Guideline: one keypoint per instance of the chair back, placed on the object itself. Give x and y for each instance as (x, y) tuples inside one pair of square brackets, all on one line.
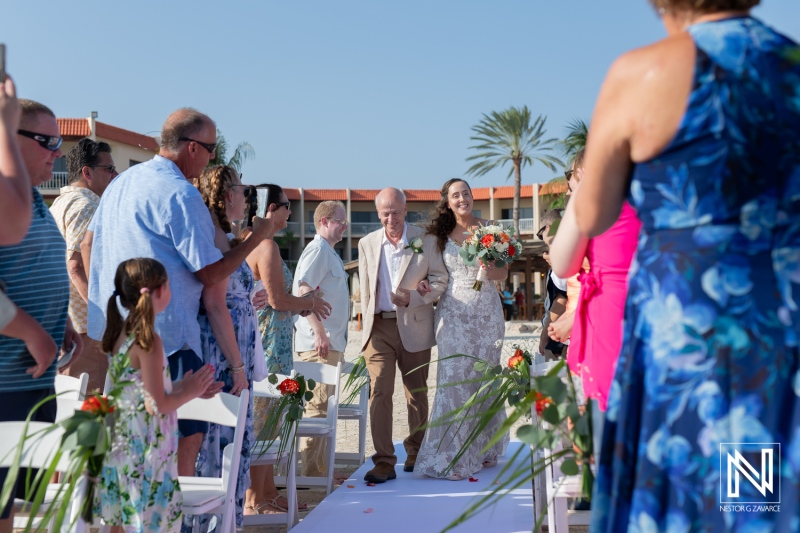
[(265, 389), (326, 375), (226, 410), (72, 388), (42, 441)]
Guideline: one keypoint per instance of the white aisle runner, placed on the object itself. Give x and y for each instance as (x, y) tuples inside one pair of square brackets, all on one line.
[(410, 505)]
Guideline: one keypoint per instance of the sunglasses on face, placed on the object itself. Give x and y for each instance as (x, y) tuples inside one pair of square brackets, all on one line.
[(111, 168), (48, 142), (540, 233), (210, 147), (287, 205)]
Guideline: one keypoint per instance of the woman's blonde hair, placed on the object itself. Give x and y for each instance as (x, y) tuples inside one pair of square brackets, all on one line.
[(134, 283), (214, 184)]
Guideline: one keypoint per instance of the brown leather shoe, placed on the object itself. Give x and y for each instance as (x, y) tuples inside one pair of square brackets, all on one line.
[(381, 473), (411, 460)]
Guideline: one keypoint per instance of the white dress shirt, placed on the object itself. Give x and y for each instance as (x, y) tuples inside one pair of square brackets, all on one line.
[(389, 271)]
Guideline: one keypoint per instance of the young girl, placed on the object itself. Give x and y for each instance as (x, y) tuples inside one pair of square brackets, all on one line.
[(139, 483)]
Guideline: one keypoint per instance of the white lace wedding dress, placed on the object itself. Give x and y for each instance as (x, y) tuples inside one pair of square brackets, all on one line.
[(467, 322)]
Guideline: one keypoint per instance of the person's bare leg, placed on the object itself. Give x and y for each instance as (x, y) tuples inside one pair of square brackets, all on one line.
[(188, 449), (254, 496)]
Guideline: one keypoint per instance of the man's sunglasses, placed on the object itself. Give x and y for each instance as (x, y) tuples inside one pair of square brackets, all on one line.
[(210, 147), (48, 142), (110, 168)]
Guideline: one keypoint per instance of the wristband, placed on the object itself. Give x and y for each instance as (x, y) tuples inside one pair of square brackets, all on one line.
[(237, 369)]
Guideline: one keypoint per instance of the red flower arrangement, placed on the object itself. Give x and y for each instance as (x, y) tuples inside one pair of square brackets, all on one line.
[(97, 405), (517, 359), (289, 386)]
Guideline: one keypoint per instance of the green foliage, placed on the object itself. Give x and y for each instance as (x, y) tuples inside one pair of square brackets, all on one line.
[(241, 154), (577, 133), (284, 416)]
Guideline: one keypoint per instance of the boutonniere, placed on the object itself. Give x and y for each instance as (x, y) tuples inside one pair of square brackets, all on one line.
[(415, 245)]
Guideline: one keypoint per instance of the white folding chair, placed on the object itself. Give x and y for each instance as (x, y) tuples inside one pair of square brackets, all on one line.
[(266, 453), (72, 388), (355, 411), (321, 428), (557, 487), (203, 495), (70, 393), (38, 451)]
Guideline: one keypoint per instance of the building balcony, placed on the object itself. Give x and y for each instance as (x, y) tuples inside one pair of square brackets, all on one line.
[(525, 224), (53, 186)]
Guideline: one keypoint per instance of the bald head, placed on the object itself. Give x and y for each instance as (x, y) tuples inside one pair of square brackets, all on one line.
[(390, 195), (391, 205), (184, 123)]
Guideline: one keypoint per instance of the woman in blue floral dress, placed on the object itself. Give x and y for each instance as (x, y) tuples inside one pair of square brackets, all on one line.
[(703, 132), (275, 324), (221, 186)]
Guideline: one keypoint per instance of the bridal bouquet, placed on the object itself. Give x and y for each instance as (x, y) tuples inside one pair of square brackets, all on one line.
[(490, 244)]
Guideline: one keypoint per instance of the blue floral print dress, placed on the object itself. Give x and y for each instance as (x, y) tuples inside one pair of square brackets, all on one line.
[(276, 338), (139, 482), (710, 350), (209, 461)]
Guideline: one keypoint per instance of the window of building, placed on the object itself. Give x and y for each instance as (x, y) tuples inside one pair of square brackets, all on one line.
[(364, 216), (132, 162), (416, 216), (60, 164), (524, 212)]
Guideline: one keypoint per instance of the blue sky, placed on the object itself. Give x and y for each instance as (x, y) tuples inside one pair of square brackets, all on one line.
[(333, 94)]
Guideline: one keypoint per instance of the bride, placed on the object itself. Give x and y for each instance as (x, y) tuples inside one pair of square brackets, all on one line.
[(467, 322)]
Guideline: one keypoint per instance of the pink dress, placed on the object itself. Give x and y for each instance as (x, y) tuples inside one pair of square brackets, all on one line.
[(597, 332)]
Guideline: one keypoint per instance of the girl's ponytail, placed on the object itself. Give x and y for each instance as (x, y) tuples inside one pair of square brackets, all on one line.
[(114, 324), (141, 322)]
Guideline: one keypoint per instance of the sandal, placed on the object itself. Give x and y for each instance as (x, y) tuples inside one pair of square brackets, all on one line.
[(301, 506), (490, 463), (455, 477), (257, 509)]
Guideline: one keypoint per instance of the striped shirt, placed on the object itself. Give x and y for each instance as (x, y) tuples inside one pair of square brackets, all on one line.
[(73, 211), (35, 274)]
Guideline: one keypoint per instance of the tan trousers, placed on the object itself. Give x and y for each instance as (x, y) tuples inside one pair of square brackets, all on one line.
[(314, 451), (383, 355), (93, 360)]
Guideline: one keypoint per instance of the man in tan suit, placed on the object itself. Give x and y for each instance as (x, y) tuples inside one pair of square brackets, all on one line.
[(398, 325)]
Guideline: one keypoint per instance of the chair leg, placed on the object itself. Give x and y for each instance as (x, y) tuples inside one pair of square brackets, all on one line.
[(331, 463), (561, 516), (362, 440), (291, 495)]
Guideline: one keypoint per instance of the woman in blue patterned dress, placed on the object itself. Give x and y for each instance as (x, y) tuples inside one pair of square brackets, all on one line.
[(702, 132), (275, 324), (223, 193)]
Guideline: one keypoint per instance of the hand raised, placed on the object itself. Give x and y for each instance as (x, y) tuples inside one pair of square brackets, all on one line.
[(423, 287)]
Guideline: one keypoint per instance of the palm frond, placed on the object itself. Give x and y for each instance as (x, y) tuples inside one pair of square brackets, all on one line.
[(575, 140)]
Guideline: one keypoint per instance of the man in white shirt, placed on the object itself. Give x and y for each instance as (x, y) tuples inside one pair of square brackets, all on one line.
[(398, 325), (322, 341)]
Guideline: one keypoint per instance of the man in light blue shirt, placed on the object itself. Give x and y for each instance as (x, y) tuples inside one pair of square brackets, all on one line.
[(322, 341), (153, 210)]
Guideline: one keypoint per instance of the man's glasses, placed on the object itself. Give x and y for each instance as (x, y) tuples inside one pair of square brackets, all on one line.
[(210, 147), (111, 168), (341, 221), (48, 142)]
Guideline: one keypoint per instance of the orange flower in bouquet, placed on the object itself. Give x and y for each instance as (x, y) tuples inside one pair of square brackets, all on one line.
[(490, 245)]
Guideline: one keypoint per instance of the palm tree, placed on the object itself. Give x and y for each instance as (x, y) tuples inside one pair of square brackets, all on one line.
[(241, 153), (577, 131), (508, 136)]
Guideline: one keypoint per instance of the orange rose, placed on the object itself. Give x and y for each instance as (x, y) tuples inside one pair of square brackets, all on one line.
[(541, 403), (516, 360), (97, 405), (487, 240), (504, 237)]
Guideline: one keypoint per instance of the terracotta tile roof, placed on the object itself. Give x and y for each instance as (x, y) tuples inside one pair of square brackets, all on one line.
[(319, 195), (73, 127), (507, 192), (292, 194), (556, 186), (78, 128), (421, 195), (128, 137), (363, 195), (480, 193)]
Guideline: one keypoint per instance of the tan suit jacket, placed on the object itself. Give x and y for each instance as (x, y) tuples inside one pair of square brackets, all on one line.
[(415, 322)]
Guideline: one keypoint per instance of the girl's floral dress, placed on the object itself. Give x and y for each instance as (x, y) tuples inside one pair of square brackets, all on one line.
[(139, 483)]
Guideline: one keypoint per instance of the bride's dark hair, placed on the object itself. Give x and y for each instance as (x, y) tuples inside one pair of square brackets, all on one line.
[(442, 220)]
